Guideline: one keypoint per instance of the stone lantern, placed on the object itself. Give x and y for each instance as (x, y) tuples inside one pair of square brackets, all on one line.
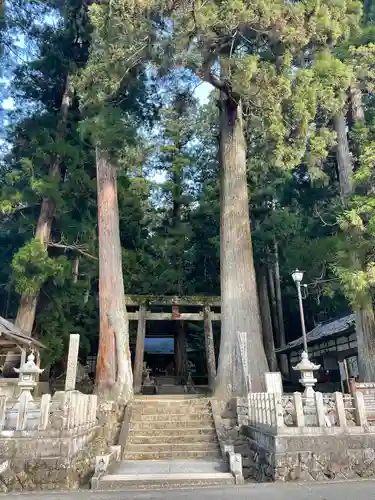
[(307, 368), (28, 373), (25, 413)]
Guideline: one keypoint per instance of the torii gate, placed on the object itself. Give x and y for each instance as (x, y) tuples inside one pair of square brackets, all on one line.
[(142, 303)]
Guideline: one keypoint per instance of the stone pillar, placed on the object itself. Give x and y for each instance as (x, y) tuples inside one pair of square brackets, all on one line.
[(360, 410), (210, 348), (71, 366), (180, 354), (139, 349)]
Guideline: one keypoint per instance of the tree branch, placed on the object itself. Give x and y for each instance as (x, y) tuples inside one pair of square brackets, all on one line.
[(317, 214), (74, 248)]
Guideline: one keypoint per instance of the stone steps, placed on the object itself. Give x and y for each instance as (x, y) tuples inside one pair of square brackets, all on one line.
[(173, 417), (164, 481), (163, 429), (171, 447), (171, 389), (162, 398), (190, 454), (170, 443), (141, 410), (163, 425), (158, 474), (193, 437)]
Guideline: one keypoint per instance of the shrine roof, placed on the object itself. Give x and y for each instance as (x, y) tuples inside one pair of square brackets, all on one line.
[(10, 331), (320, 332)]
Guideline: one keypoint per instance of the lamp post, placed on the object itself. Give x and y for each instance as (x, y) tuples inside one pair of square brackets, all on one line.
[(305, 366), (297, 276)]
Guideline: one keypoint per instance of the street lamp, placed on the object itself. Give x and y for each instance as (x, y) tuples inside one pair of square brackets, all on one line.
[(305, 366), (297, 276)]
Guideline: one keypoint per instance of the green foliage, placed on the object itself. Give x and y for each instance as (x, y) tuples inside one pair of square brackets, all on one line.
[(291, 63), (32, 266)]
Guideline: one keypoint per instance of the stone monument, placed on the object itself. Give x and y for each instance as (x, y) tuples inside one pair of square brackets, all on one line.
[(71, 367), (274, 383)]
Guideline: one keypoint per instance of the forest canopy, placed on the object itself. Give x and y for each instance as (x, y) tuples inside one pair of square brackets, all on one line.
[(205, 118)]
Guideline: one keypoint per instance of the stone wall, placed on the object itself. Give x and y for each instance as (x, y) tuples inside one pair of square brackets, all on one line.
[(36, 473), (335, 454)]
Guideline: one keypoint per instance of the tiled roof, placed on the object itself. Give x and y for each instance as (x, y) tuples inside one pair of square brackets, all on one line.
[(9, 330), (321, 331)]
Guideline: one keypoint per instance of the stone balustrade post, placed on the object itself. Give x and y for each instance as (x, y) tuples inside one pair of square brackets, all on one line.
[(62, 409), (259, 399), (94, 406), (86, 411), (265, 398), (44, 412), (340, 409), (23, 400), (3, 409), (73, 410), (80, 410), (360, 410), (320, 411), (298, 408), (278, 409), (268, 409), (264, 404)]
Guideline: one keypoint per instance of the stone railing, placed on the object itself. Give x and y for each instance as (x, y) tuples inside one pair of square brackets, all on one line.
[(282, 412), (64, 411)]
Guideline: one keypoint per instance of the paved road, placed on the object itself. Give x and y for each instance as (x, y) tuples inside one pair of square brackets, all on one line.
[(364, 490)]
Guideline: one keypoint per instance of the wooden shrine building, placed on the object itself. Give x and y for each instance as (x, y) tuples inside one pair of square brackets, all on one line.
[(143, 308)]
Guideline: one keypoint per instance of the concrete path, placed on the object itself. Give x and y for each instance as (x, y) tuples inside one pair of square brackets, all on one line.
[(358, 490)]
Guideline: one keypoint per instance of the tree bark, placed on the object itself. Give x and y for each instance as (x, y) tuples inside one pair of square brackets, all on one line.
[(272, 297), (365, 319), (239, 300), (75, 269), (356, 108), (28, 303), (114, 377), (344, 162), (265, 312)]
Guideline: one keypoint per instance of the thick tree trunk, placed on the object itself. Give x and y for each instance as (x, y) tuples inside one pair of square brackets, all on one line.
[(239, 300), (28, 303), (356, 108), (265, 312), (365, 320), (272, 297), (344, 162), (114, 377)]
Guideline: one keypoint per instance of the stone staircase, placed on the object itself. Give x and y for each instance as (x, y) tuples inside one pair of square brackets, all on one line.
[(168, 442), (167, 429)]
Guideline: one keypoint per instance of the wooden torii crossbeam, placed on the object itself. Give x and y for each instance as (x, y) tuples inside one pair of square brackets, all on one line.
[(144, 302)]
